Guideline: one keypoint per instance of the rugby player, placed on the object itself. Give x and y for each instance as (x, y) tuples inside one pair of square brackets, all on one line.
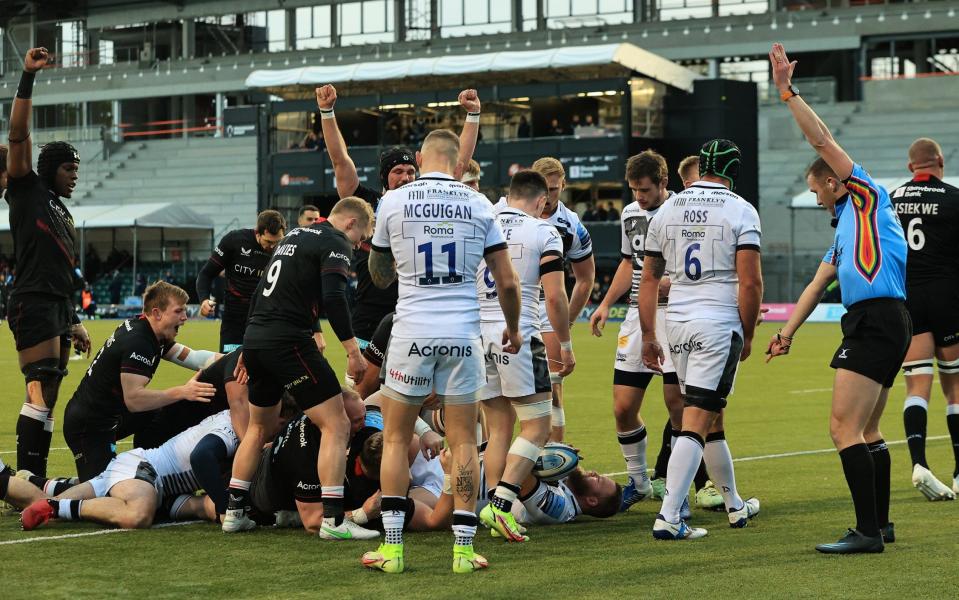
[(3, 168), (133, 486), (647, 177), (578, 248), (868, 256), (15, 490), (308, 215), (241, 255), (108, 404), (307, 273), (518, 384), (471, 176), (437, 230), (40, 307), (688, 170), (397, 167), (708, 238), (929, 209)]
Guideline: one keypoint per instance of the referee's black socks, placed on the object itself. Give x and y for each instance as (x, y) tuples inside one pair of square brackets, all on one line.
[(914, 416), (860, 474), (883, 466)]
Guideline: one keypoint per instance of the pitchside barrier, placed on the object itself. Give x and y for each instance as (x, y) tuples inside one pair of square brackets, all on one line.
[(824, 313)]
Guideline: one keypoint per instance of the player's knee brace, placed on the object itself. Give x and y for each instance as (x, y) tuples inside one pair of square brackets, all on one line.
[(524, 448), (48, 372), (917, 367), (948, 366), (704, 399), (533, 410), (559, 416)]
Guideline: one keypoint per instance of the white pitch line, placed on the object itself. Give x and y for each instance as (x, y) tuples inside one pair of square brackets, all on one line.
[(829, 389), (800, 453), (120, 443), (68, 536)]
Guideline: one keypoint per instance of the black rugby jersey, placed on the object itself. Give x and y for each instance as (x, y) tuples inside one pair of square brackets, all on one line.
[(44, 239), (928, 209), (307, 273), (132, 348), (242, 260), (372, 303)]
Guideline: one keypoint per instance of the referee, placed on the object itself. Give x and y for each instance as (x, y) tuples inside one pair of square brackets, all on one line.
[(40, 309), (868, 256)]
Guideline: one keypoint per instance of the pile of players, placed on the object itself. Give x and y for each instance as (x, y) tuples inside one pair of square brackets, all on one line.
[(460, 303)]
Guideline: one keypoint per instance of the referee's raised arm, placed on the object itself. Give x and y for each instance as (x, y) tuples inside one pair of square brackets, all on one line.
[(816, 132)]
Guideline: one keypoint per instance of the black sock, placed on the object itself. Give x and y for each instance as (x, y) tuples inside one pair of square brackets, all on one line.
[(662, 461), (953, 422), (701, 477), (883, 466), (33, 445), (861, 478), (502, 503), (333, 508), (914, 418), (239, 498)]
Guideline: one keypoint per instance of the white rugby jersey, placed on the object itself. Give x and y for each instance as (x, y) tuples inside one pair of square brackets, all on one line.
[(635, 223), (438, 231), (698, 232), (577, 245), (529, 240), (172, 459), (550, 504)]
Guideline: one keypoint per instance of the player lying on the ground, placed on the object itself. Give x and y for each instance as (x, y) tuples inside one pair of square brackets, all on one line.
[(16, 491), (129, 491)]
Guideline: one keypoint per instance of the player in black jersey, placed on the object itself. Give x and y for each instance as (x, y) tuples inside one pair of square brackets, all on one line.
[(308, 273), (113, 392), (241, 255), (40, 307), (929, 211), (308, 215), (397, 167)]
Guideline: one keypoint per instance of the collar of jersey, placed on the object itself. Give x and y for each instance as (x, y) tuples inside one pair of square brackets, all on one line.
[(435, 175), (514, 211), (707, 184)]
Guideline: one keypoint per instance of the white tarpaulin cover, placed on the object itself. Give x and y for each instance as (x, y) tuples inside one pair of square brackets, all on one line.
[(807, 199), (108, 216), (630, 56)]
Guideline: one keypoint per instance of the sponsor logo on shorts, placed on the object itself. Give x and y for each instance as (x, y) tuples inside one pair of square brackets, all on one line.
[(621, 357), (401, 377), (302, 429), (296, 382), (685, 347), (500, 359), (450, 351), (307, 487), (143, 359), (843, 353), (623, 341)]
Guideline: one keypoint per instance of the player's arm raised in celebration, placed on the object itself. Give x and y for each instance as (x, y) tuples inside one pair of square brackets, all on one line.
[(20, 154), (139, 398), (654, 266), (507, 287), (469, 100), (808, 300), (816, 132), (620, 284), (557, 307), (749, 272), (343, 168), (382, 267)]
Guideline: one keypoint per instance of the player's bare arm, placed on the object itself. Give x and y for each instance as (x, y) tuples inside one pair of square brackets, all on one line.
[(749, 272), (81, 339), (20, 154), (343, 168), (654, 267), (620, 284), (139, 398), (816, 132), (469, 100), (808, 300), (557, 309), (584, 271), (507, 286), (189, 358), (382, 268)]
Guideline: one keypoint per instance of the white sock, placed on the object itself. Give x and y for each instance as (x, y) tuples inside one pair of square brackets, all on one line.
[(464, 527), (239, 484), (683, 463), (393, 515), (719, 465), (633, 445)]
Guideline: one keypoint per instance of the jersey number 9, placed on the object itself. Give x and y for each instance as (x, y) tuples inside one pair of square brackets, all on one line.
[(272, 276)]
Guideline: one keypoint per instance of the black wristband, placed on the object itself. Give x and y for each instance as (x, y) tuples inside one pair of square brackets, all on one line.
[(25, 89)]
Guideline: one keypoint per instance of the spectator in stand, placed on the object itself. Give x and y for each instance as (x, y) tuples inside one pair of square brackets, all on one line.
[(91, 264), (141, 286), (574, 124), (555, 128), (87, 302), (523, 130), (589, 121), (168, 277), (590, 213), (611, 213), (600, 213), (116, 287)]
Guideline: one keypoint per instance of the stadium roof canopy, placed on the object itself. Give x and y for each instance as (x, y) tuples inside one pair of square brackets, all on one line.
[(807, 199), (156, 215), (522, 66)]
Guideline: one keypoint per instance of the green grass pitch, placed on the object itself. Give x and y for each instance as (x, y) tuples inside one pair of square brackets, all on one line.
[(778, 408)]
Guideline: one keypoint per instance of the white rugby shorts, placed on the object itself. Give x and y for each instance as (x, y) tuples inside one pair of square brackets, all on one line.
[(123, 468), (629, 343), (704, 353), (514, 375), (451, 367)]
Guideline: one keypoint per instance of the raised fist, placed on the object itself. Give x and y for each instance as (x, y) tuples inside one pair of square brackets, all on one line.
[(36, 59), (326, 97)]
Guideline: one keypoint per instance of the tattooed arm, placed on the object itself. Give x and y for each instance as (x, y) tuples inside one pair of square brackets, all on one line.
[(382, 268)]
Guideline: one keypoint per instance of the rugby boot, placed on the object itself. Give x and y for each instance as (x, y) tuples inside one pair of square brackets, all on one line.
[(853, 543), (740, 518), (929, 485), (465, 560), (387, 558), (709, 498), (36, 515), (347, 530), (633, 493), (664, 530), (503, 523)]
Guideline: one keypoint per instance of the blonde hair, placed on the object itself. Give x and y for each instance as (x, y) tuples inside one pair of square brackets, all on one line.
[(686, 165), (548, 166), (925, 152), (356, 207), (444, 142), (160, 294)]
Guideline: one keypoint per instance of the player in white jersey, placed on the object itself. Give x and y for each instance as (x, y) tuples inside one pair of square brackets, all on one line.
[(578, 248), (437, 230), (127, 493), (708, 238), (647, 176), (518, 385)]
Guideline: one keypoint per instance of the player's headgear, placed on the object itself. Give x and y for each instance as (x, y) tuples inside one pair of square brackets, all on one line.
[(720, 158), (397, 155), (53, 155)]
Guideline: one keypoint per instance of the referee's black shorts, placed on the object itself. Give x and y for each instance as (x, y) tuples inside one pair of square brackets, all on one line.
[(875, 337), (35, 318), (299, 369), (934, 308)]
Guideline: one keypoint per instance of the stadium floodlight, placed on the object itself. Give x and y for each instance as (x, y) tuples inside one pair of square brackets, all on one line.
[(858, 19)]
